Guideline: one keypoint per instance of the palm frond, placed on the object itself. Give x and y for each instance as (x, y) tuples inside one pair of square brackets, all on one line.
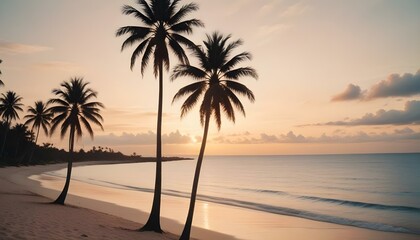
[(138, 51), (191, 101), (137, 36), (241, 72), (193, 87), (146, 55), (129, 10), (87, 126), (183, 70), (182, 12), (235, 60), (236, 102), (224, 101), (240, 89), (183, 40), (187, 26), (178, 51)]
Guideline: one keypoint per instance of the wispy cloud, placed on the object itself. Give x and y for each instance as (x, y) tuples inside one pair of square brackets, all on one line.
[(410, 115), (132, 113), (19, 48), (395, 85), (294, 10), (147, 138), (338, 137), (269, 30)]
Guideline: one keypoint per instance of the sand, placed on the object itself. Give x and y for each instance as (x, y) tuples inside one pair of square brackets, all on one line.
[(96, 212)]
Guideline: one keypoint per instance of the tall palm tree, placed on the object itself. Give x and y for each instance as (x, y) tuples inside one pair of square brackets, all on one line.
[(73, 108), (39, 116), (9, 107), (162, 27), (1, 82), (217, 81)]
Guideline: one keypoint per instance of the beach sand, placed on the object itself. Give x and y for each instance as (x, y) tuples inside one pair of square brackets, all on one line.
[(96, 212)]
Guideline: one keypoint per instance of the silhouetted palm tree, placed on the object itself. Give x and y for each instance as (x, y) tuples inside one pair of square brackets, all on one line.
[(163, 26), (216, 80), (9, 107), (22, 136), (73, 109), (39, 116)]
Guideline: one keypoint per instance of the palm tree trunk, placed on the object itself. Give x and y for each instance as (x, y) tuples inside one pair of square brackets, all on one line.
[(4, 140), (153, 223), (187, 228), (61, 199), (33, 148)]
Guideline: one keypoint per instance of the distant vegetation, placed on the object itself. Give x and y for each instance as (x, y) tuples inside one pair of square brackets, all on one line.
[(20, 143)]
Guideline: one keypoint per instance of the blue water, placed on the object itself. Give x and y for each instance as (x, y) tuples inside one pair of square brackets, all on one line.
[(374, 191)]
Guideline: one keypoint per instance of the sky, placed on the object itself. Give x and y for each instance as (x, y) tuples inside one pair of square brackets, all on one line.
[(334, 76)]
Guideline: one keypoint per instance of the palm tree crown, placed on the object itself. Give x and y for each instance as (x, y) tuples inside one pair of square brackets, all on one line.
[(73, 109), (163, 26), (39, 116), (216, 79), (9, 105)]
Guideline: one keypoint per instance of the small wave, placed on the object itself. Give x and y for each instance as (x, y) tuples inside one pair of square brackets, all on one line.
[(361, 204), (308, 215), (337, 201), (281, 210)]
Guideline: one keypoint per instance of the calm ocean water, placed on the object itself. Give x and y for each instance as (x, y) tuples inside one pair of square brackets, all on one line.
[(374, 191)]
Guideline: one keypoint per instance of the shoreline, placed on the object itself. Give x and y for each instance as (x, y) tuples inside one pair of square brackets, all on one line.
[(20, 178), (224, 222)]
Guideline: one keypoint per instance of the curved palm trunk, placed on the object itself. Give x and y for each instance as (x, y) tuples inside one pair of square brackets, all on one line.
[(153, 223), (187, 228), (63, 195)]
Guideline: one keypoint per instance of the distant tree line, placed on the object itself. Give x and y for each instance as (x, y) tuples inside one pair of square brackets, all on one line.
[(20, 144)]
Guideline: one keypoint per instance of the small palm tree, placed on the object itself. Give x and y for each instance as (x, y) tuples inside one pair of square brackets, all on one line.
[(39, 116), (73, 109), (9, 107), (163, 26), (216, 80)]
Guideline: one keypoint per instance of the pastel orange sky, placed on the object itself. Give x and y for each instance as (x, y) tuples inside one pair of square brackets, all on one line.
[(334, 76)]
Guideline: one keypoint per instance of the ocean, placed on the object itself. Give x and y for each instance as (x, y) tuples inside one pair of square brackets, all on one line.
[(374, 191)]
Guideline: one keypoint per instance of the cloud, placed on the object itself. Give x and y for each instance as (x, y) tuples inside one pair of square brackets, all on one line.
[(395, 85), (410, 115), (18, 48), (268, 30), (291, 137), (148, 138), (352, 92), (294, 10)]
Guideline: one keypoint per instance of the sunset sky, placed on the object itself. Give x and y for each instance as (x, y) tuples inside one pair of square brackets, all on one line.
[(334, 76)]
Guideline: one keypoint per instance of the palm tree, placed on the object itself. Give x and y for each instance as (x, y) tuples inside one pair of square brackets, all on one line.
[(39, 116), (162, 27), (9, 107), (22, 137), (72, 109), (217, 81), (1, 82)]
